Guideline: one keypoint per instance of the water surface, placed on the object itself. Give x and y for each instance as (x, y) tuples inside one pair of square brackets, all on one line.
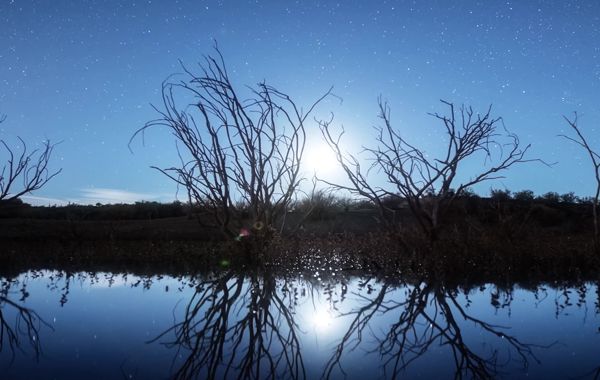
[(227, 324)]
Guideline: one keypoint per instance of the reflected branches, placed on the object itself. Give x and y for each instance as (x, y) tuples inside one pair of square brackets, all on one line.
[(427, 315), (251, 324), (244, 327), (353, 336), (19, 325), (238, 327)]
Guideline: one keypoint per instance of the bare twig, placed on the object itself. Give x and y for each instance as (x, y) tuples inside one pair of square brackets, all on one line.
[(580, 140), (24, 171)]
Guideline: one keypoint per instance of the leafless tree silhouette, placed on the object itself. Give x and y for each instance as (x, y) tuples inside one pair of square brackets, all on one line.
[(426, 315), (580, 140), (238, 155), (429, 184), (24, 171), (238, 327)]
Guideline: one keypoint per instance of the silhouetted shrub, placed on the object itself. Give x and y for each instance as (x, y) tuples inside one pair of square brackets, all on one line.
[(585, 200), (393, 202), (551, 197), (364, 204), (524, 195), (12, 208), (500, 195), (569, 197), (320, 206), (467, 192)]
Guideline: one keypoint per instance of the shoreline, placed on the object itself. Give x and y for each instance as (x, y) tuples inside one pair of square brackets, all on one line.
[(374, 255)]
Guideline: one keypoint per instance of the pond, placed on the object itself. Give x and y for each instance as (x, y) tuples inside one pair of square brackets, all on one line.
[(252, 324)]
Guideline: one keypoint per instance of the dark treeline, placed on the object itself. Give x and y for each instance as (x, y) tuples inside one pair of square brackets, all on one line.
[(521, 219), (321, 205), (138, 210)]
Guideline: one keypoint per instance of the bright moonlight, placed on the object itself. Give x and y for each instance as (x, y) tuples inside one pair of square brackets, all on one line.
[(320, 159)]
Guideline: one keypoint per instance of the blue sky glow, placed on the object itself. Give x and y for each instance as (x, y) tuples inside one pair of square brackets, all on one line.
[(85, 73)]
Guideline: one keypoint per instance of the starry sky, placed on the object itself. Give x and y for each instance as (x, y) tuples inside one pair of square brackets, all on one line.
[(86, 73)]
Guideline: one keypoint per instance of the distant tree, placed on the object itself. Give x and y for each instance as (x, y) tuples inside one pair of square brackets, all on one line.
[(580, 140), (551, 196), (24, 171), (524, 195), (319, 205), (569, 197), (467, 192), (392, 202), (233, 151), (585, 200), (425, 181), (500, 195)]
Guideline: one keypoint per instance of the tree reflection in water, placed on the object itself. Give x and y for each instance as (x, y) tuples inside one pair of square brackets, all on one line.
[(19, 325), (238, 326), (251, 324), (427, 315), (244, 327)]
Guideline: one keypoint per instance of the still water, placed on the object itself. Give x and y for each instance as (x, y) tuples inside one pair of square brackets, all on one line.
[(59, 325)]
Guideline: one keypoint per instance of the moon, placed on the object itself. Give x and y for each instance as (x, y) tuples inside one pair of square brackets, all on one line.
[(322, 320), (320, 159)]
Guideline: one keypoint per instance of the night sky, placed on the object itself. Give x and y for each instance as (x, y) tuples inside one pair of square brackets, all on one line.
[(86, 72)]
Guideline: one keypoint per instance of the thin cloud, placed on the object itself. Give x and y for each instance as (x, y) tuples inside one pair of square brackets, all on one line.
[(106, 196), (44, 201)]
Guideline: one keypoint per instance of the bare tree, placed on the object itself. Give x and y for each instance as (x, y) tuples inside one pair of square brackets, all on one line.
[(238, 155), (580, 140), (24, 171), (428, 184)]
